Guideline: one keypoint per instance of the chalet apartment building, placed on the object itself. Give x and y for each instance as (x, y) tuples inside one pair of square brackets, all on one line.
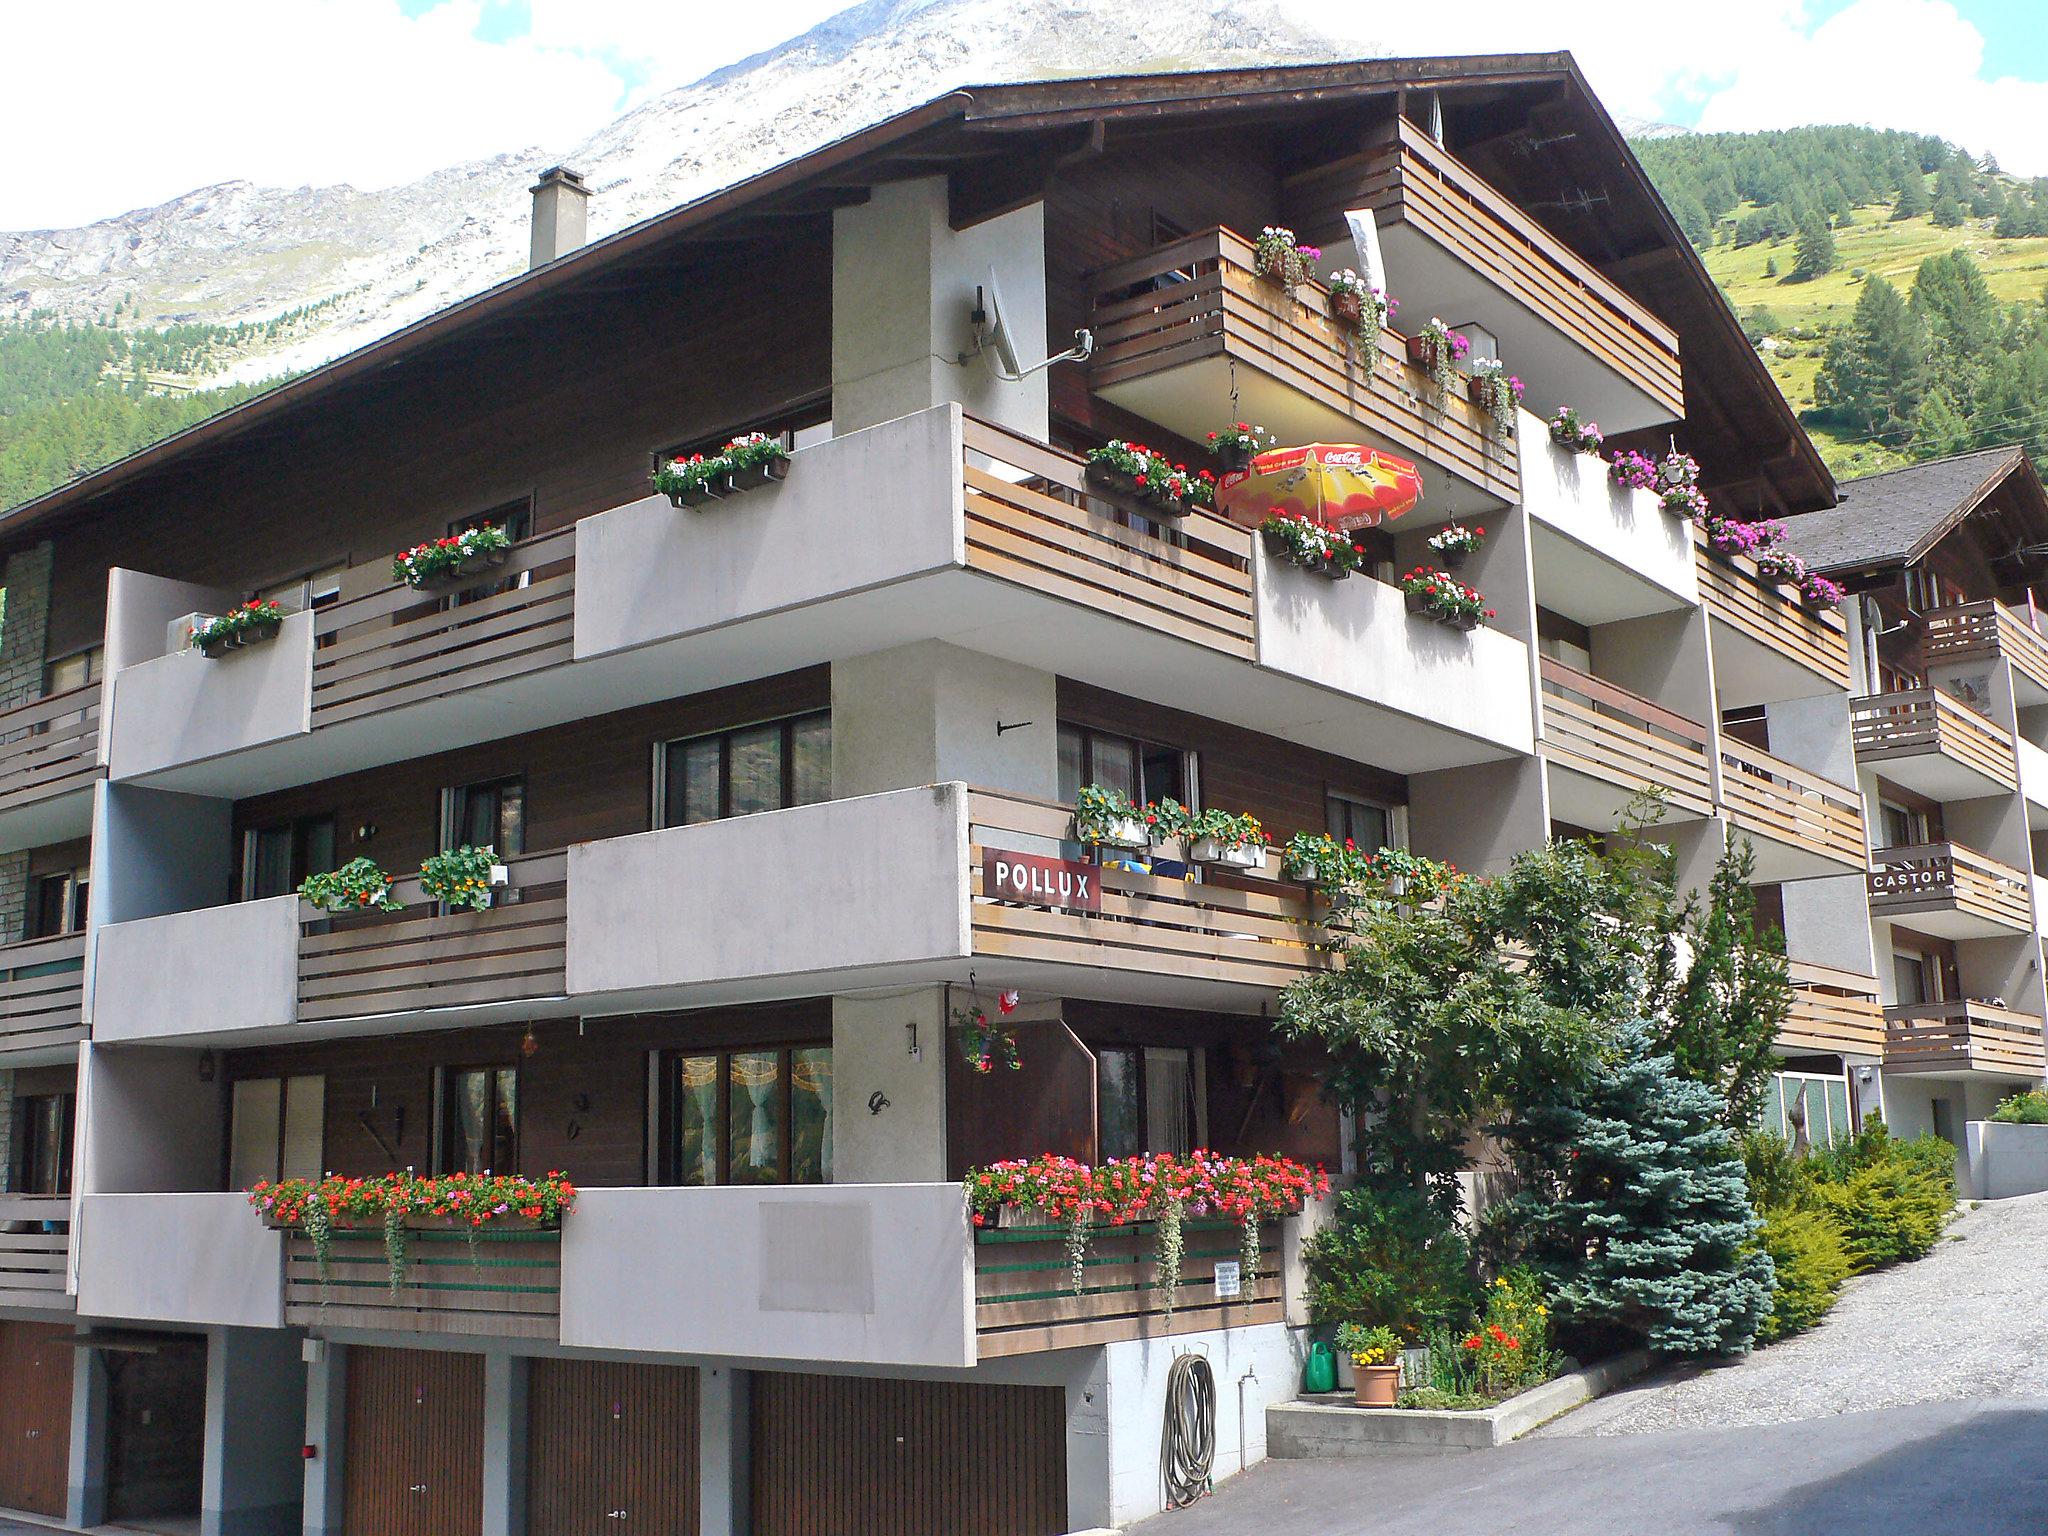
[(744, 762)]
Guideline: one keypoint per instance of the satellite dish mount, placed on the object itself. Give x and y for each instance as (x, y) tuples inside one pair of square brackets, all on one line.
[(994, 344)]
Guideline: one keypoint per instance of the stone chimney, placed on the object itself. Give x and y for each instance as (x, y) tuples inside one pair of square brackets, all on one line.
[(561, 215)]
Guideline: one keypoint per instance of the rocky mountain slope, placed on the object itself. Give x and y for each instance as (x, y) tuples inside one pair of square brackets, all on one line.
[(369, 262)]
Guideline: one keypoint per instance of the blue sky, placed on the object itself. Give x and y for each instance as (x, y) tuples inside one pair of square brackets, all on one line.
[(376, 92)]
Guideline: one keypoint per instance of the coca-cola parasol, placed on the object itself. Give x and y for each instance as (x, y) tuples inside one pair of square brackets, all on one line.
[(1340, 485)]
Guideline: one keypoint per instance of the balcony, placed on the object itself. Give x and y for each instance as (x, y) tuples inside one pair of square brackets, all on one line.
[(33, 1257), (1177, 328), (1950, 891), (201, 1259), (1931, 744), (1456, 247), (42, 987), (1800, 824), (1984, 631), (1833, 1012), (507, 1287), (1605, 746), (1955, 1037), (1768, 645), (49, 762), (1602, 552)]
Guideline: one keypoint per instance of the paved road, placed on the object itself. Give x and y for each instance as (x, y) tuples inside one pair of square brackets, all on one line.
[(1920, 1408)]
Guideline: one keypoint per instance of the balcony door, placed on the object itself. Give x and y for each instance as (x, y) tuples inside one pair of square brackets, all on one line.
[(491, 813), (278, 859), (758, 1116), (478, 1122), (1149, 1099)]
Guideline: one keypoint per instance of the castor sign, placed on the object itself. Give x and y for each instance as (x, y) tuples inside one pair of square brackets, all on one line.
[(1043, 882), (1938, 873)]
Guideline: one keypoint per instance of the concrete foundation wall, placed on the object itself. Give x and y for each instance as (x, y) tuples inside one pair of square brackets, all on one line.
[(2005, 1160)]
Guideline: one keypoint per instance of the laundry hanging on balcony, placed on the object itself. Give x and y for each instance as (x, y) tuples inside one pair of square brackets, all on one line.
[(1340, 485)]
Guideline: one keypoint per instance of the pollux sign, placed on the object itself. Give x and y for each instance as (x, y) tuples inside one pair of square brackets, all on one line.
[(1043, 882)]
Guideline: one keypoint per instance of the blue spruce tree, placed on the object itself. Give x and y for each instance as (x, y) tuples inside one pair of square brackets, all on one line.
[(1644, 1233)]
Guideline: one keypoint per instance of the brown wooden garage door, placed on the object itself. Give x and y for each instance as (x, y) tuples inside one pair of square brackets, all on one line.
[(907, 1458), (35, 1416), (611, 1446), (415, 1443)]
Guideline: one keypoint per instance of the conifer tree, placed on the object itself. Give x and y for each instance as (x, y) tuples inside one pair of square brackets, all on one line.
[(1912, 203), (1948, 213), (1816, 248)]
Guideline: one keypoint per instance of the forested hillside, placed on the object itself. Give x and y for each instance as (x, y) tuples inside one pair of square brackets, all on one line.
[(1894, 283)]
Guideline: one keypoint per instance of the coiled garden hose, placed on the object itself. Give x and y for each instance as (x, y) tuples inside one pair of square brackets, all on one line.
[(1188, 1448)]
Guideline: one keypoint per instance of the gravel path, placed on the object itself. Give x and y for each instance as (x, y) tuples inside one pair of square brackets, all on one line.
[(1968, 1322)]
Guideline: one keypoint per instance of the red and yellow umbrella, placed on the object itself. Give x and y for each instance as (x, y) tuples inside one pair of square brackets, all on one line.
[(1340, 485)]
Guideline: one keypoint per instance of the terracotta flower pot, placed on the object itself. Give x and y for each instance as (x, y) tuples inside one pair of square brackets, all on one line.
[(1376, 1385), (1418, 351)]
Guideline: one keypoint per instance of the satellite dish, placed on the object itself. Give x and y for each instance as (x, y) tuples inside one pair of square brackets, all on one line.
[(990, 326)]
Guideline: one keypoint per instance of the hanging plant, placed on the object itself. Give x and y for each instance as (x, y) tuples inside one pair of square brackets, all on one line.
[(320, 1230), (1172, 1242), (1438, 351), (394, 1246), (1248, 1255), (1080, 1229), (1355, 304), (1237, 445), (1457, 543), (982, 1043), (1495, 391), (1278, 257)]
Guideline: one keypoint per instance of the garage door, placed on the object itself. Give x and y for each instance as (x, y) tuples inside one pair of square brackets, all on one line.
[(907, 1458), (611, 1447), (415, 1443), (35, 1416)]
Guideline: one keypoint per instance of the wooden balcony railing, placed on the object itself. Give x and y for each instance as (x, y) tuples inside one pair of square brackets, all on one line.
[(1030, 519), (507, 1286), (1412, 179), (1768, 797), (1917, 722), (397, 646), (1024, 1298), (1947, 877), (1608, 733), (1943, 1037), (1981, 630), (1770, 613), (49, 746), (1201, 298), (1255, 931), (1833, 1011), (42, 988), (397, 962), (33, 1260)]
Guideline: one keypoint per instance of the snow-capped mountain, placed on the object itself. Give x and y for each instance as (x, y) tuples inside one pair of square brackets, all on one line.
[(374, 261)]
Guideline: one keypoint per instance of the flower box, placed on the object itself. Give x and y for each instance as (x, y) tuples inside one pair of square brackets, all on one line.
[(254, 634), (1418, 350), (469, 566), (701, 494), (1121, 486), (1209, 850), (1417, 603), (1125, 832), (748, 476)]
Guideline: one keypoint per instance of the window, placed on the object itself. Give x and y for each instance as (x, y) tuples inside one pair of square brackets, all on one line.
[(1148, 1099), (277, 859), (1806, 1102), (488, 814), (761, 1116), (276, 1129), (40, 1159), (73, 671), (479, 1121), (765, 767), (1564, 641), (305, 594), (57, 903), (1365, 824), (1903, 826), (1915, 977), (1143, 770)]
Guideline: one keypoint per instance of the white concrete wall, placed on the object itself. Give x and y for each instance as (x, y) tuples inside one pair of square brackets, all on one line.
[(140, 609), (149, 1120), (1480, 817), (184, 707), (927, 714), (2005, 1160), (1571, 493), (871, 1273), (903, 288), (179, 1258), (904, 1140), (252, 1479), (873, 881), (1358, 637), (1827, 922), (856, 512), (212, 971)]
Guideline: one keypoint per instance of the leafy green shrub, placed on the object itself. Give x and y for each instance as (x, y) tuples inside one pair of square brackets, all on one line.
[(1811, 1261), (1388, 1260), (1777, 1178), (1437, 1398), (2029, 1108), (1893, 1208)]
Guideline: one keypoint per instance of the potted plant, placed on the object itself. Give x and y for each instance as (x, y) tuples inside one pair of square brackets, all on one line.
[(250, 623), (1632, 470), (1220, 838), (1495, 391), (1104, 817), (443, 562), (1355, 304), (1455, 543), (358, 886), (692, 481), (755, 459), (1279, 258), (463, 877), (1316, 858), (983, 1043), (1573, 433), (1236, 446), (1300, 540), (1438, 351), (1440, 596), (1149, 483), (1375, 1355)]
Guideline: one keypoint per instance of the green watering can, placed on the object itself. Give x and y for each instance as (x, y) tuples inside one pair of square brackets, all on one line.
[(1319, 1371)]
